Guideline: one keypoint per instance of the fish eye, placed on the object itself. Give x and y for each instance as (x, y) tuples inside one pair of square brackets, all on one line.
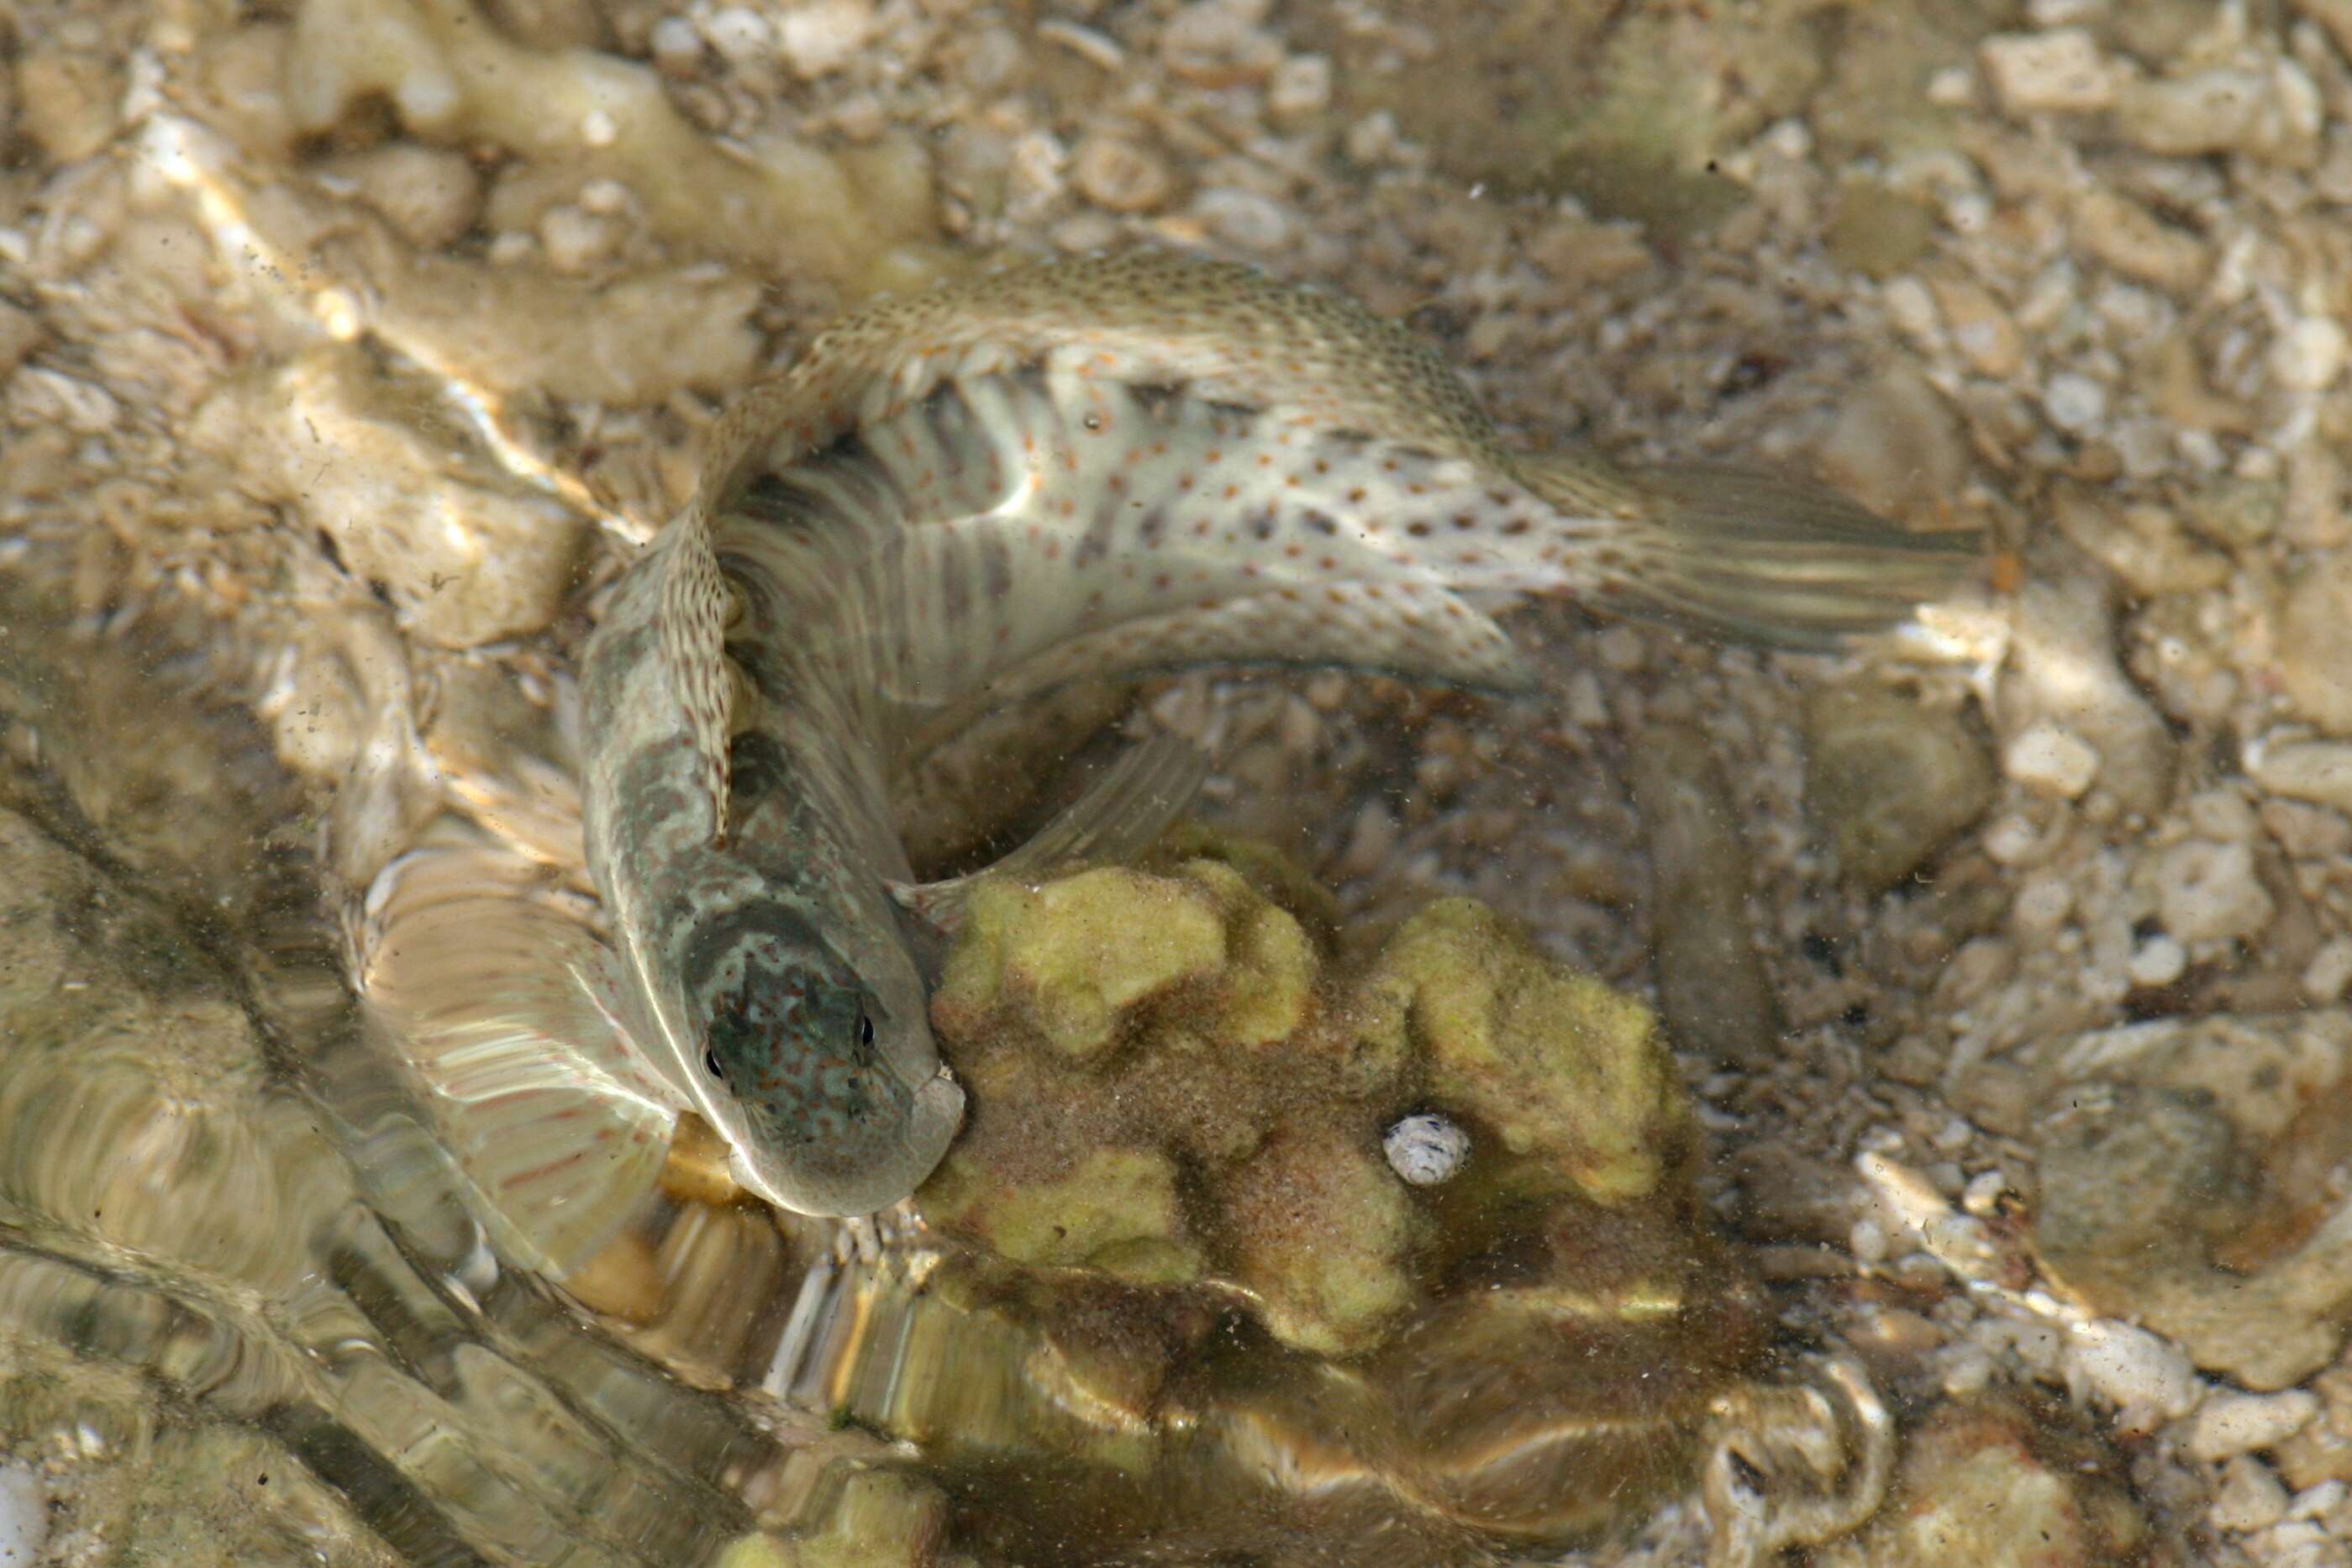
[(865, 1030), (711, 1064)]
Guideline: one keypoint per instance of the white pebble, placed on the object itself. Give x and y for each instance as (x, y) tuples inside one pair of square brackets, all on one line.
[(2075, 402), (1301, 87), (2308, 355), (2329, 972), (739, 33), (2293, 1544), (2221, 816), (1245, 218), (677, 45), (605, 198), (2250, 1497), (2242, 1423), (1621, 649), (2043, 901), (24, 1515), (2316, 771), (1867, 1241), (2060, 69), (1982, 1195), (1910, 307), (39, 396), (825, 36), (1791, 139), (2051, 758), (1374, 139), (2014, 841), (1951, 86), (597, 129), (2158, 960), (1965, 1369), (1425, 1149), (2147, 1380), (575, 240), (2318, 1500), (2209, 892)]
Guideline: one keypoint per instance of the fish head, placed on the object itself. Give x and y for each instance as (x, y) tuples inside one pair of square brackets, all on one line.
[(821, 1074)]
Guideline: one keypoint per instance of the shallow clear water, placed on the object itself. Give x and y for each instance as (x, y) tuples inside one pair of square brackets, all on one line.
[(347, 346)]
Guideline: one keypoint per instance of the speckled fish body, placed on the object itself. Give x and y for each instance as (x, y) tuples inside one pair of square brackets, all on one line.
[(1096, 467)]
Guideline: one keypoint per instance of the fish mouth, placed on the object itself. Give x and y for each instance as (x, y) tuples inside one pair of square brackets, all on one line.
[(886, 1166)]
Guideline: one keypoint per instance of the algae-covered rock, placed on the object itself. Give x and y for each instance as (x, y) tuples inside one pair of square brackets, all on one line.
[(1113, 1209), (1318, 1226), (1172, 1085), (877, 1517), (1554, 1062), (1074, 954)]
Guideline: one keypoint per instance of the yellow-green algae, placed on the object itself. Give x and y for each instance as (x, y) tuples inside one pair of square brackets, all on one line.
[(1554, 1062), (1173, 1084), (875, 1517)]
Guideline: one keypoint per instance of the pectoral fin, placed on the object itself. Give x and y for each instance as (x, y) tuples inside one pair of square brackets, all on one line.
[(1122, 812), (514, 1020)]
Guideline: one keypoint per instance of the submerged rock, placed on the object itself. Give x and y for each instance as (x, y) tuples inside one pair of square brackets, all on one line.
[(1712, 986), (2184, 1176), (1168, 1087), (1889, 780), (1995, 1487), (1169, 1282)]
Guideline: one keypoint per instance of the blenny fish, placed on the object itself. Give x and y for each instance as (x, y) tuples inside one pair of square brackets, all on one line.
[(1098, 467)]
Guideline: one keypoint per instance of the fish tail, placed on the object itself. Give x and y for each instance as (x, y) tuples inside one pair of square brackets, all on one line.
[(1761, 558)]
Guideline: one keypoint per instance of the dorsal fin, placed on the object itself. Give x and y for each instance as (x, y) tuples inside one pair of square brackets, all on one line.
[(696, 606)]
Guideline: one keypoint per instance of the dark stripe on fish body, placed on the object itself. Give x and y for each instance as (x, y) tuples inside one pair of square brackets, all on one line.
[(955, 587), (767, 931), (1153, 399), (604, 681), (1095, 543), (756, 766), (996, 567)]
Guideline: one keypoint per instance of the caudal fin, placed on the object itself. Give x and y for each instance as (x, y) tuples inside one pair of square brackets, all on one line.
[(1761, 558)]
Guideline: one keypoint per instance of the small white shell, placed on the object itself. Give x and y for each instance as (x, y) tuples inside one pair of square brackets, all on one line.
[(1425, 1149)]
